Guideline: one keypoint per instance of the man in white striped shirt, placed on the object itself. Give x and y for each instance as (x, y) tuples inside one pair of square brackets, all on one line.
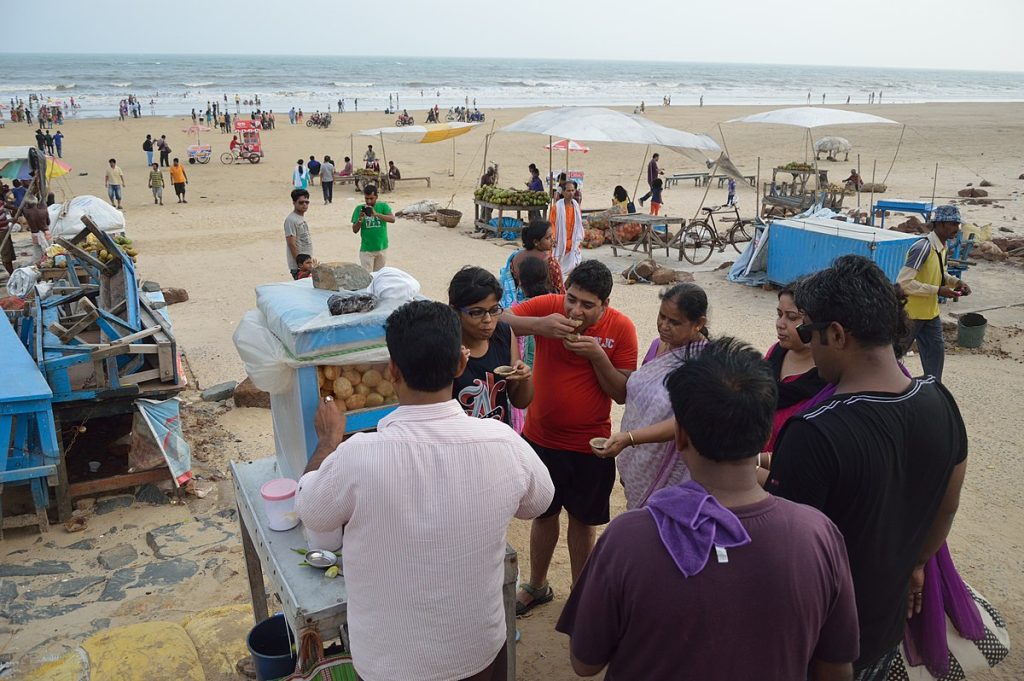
[(425, 502)]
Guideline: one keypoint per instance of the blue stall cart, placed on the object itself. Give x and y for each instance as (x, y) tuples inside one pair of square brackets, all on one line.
[(798, 247)]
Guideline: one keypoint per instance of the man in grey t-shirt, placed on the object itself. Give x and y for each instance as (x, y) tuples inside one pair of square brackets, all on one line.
[(296, 231), (327, 179)]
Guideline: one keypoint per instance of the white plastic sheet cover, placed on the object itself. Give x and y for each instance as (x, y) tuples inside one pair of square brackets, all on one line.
[(66, 218), (21, 281), (813, 117)]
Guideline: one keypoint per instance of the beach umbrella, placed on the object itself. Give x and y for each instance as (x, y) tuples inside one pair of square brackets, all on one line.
[(568, 145), (18, 169), (420, 134), (195, 130), (596, 124)]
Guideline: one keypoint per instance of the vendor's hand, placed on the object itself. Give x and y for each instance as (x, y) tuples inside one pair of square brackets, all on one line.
[(523, 372), (556, 326), (915, 596), (964, 289), (586, 347), (947, 292), (329, 422), (613, 446)]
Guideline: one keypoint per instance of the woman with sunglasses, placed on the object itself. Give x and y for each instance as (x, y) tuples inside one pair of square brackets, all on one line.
[(793, 365), (490, 344)]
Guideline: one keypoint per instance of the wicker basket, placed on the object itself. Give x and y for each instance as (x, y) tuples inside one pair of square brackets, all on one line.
[(446, 217)]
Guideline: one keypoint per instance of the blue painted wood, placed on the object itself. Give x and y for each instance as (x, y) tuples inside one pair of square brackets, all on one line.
[(922, 208), (21, 378)]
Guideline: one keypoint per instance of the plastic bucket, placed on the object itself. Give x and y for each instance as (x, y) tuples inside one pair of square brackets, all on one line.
[(970, 330), (270, 649)]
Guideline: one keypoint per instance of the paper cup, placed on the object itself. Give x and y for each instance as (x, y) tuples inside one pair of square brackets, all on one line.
[(598, 442), (504, 370)]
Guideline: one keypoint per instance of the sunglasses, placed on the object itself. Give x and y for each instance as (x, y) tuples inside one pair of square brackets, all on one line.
[(806, 331), (479, 312)]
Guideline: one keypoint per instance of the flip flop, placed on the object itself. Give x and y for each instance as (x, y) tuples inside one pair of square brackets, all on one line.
[(539, 597)]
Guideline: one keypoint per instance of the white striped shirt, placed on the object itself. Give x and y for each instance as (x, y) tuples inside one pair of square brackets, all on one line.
[(426, 502)]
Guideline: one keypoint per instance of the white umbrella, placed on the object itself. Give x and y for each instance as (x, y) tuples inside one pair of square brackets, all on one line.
[(812, 117)]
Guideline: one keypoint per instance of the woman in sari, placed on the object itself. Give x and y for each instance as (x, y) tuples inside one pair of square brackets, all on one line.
[(645, 447)]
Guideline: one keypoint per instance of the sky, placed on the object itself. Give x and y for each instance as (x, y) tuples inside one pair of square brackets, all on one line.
[(936, 34)]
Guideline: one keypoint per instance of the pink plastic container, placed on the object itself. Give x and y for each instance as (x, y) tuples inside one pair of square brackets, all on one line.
[(279, 503)]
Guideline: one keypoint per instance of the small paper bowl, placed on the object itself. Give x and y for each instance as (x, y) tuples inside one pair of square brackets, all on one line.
[(576, 322), (504, 370), (598, 442), (573, 337)]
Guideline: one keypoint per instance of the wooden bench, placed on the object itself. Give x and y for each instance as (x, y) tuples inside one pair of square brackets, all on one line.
[(698, 179), (413, 179), (722, 179)]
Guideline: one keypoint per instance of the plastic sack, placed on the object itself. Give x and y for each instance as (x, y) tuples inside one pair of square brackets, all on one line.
[(266, 361), (424, 207), (22, 281), (66, 218), (391, 283)]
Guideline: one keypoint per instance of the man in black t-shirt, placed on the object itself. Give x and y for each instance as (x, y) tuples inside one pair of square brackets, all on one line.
[(883, 458)]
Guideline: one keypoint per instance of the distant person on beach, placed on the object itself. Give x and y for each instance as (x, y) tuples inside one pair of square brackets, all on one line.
[(566, 218), (346, 170), (165, 151), (370, 221), (40, 140), (291, 115), (296, 231), (58, 142), (314, 169), (656, 201), (114, 182), (370, 157), (702, 100), (48, 140), (327, 179), (156, 183), (179, 179), (300, 176), (730, 199), (6, 244), (393, 172), (653, 171), (854, 181), (38, 220)]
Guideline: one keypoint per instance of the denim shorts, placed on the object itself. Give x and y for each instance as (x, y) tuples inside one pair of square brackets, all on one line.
[(114, 192)]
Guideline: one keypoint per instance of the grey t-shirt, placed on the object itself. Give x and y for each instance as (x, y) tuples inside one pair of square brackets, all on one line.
[(327, 172), (295, 225)]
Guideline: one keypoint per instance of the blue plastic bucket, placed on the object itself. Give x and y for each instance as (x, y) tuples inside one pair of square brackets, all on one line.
[(270, 649)]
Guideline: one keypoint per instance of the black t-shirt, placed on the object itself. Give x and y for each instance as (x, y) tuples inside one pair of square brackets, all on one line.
[(877, 464), (478, 390)]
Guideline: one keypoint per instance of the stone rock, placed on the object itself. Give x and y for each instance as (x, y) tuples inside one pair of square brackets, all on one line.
[(86, 504), (150, 286), (1021, 176), (8, 591), (641, 271), (173, 296), (67, 588), (664, 275), (100, 623), (984, 183), (117, 557), (725, 265), (224, 572), (179, 539), (161, 573), (912, 225), (219, 392), (248, 395), (84, 545), (987, 250), (1006, 229), (111, 504), (972, 192), (1009, 244), (151, 494), (877, 188), (340, 276)]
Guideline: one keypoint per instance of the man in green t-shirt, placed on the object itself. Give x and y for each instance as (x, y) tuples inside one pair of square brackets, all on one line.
[(369, 221)]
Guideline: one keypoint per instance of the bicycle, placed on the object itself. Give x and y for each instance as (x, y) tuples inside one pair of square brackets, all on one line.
[(700, 238)]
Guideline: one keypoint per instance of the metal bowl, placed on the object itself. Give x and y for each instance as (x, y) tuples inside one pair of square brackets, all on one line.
[(321, 558)]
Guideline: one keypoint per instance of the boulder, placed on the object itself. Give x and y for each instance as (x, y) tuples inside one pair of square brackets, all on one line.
[(340, 276), (173, 296), (219, 392), (248, 395), (913, 225), (984, 183), (972, 192), (117, 556), (150, 287), (1009, 243), (663, 275), (873, 187), (1021, 176)]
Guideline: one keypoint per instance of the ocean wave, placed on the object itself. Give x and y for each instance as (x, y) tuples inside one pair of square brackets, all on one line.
[(203, 84), (35, 87), (524, 83), (126, 84), (340, 83)]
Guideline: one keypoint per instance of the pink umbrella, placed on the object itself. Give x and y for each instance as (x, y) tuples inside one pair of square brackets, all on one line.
[(567, 145), (195, 130)]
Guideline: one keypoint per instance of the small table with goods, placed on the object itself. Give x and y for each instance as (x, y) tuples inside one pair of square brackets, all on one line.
[(651, 236), (489, 199)]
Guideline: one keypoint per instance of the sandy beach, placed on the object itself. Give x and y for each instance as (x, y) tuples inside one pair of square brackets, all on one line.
[(228, 239)]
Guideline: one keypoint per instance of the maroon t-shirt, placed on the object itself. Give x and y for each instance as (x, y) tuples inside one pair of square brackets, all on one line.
[(777, 603)]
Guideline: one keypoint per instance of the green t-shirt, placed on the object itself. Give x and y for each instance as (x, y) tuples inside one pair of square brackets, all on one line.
[(374, 232)]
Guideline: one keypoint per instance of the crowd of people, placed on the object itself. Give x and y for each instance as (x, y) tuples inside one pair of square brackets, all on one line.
[(795, 504)]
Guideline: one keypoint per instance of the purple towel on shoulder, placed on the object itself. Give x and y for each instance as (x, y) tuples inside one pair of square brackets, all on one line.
[(691, 523)]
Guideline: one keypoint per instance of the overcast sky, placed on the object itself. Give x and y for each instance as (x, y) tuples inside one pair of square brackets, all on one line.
[(947, 34)]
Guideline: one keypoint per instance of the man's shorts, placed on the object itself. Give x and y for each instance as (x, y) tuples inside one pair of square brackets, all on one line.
[(114, 192), (583, 484)]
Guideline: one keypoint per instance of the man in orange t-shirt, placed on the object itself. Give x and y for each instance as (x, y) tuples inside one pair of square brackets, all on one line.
[(585, 352)]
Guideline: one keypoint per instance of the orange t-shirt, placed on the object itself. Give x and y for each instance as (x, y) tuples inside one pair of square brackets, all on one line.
[(570, 223), (569, 407), (177, 174)]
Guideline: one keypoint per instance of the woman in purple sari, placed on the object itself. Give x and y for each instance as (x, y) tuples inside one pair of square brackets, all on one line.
[(645, 447)]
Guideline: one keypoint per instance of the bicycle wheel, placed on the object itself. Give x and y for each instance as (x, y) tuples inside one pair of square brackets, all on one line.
[(739, 234), (254, 158), (698, 243), (309, 124), (227, 158)]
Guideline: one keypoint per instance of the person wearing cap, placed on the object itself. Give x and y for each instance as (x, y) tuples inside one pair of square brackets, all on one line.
[(923, 279)]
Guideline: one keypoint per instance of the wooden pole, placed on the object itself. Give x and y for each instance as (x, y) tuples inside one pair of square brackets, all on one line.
[(643, 165), (935, 182), (352, 149), (551, 184), (724, 145), (757, 190), (384, 154), (858, 186), (707, 188), (874, 165)]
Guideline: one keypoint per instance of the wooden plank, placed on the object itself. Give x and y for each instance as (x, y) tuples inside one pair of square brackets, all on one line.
[(80, 326), (82, 254), (165, 359), (254, 571), (140, 377), (81, 489)]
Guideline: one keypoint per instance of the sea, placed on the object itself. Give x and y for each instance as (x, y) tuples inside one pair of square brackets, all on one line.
[(175, 84)]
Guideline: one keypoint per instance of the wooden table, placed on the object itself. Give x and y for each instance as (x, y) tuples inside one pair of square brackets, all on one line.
[(307, 598), (480, 212), (650, 238), (698, 179)]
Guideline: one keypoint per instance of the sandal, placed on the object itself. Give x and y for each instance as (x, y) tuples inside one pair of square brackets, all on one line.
[(539, 596)]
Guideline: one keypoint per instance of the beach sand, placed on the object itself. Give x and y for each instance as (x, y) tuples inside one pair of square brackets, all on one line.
[(228, 239)]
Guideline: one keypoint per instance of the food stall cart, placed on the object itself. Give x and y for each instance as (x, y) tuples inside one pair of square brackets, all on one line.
[(489, 199), (655, 232)]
